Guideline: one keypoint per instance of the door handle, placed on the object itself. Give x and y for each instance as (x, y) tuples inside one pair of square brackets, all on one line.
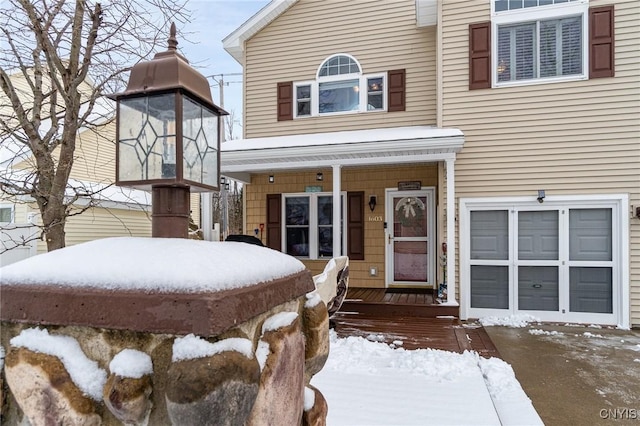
[(389, 238)]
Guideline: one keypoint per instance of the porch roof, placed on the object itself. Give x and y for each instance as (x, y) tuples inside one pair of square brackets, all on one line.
[(394, 145)]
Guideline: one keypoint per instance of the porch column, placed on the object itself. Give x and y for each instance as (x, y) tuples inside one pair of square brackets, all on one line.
[(336, 211), (451, 232), (206, 219)]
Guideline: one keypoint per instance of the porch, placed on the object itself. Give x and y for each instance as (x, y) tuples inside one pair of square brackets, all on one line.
[(410, 316)]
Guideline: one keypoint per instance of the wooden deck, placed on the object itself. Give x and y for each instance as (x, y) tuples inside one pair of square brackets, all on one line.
[(395, 302), (408, 319)]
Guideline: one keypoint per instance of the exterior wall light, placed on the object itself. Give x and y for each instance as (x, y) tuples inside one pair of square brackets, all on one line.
[(372, 202), (272, 179), (319, 176), (541, 195)]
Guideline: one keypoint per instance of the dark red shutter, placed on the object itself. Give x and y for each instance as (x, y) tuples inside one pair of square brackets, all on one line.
[(396, 90), (480, 56), (274, 217), (355, 225), (601, 42), (285, 101)]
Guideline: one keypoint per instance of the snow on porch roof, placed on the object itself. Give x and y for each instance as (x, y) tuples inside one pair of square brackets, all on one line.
[(358, 147)]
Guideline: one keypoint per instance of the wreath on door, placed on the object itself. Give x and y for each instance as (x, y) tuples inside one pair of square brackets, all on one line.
[(410, 211)]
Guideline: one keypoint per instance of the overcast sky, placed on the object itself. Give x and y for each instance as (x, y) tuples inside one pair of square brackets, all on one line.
[(212, 21)]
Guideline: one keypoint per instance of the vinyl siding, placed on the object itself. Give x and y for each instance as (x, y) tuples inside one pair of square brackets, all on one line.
[(579, 137), (99, 223), (381, 35), (95, 154)]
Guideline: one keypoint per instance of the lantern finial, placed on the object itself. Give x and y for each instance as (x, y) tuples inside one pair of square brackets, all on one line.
[(173, 41)]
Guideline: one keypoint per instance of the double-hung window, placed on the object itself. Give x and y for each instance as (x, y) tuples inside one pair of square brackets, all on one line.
[(308, 225), (340, 87), (6, 213), (539, 40)]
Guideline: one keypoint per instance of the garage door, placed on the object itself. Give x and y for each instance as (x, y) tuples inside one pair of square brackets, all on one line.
[(556, 261)]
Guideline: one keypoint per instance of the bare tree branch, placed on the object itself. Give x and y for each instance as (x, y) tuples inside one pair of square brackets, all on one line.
[(59, 59)]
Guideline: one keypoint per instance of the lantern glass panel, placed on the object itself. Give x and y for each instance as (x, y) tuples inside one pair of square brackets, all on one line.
[(147, 138), (200, 143)]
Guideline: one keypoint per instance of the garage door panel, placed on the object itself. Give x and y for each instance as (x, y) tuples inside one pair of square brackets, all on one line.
[(490, 287), (590, 234), (590, 290), (538, 235), (490, 235), (538, 288)]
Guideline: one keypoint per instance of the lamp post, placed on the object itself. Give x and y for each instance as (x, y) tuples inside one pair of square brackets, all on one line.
[(167, 137)]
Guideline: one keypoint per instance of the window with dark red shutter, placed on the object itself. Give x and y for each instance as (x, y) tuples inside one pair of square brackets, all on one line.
[(601, 42), (480, 56), (355, 225), (274, 215), (396, 90), (285, 101)]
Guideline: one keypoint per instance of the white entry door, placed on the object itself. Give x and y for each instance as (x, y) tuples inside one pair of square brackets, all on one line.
[(410, 238)]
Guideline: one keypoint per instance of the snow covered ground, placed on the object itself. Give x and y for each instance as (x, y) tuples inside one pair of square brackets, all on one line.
[(371, 383), (364, 382)]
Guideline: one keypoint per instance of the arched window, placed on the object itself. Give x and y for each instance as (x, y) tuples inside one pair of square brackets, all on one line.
[(340, 87), (338, 65)]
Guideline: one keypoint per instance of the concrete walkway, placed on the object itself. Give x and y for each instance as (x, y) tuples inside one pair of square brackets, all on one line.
[(575, 375)]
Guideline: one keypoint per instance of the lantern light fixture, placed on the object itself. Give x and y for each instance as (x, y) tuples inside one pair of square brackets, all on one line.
[(168, 137), (372, 202)]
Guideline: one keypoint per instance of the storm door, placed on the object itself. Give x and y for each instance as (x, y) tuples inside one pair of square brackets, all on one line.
[(410, 235)]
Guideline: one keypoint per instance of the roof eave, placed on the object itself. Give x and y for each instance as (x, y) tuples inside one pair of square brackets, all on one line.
[(360, 153)]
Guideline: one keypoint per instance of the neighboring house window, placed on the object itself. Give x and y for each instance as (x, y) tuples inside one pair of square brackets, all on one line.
[(341, 87), (308, 225), (537, 41), (6, 213)]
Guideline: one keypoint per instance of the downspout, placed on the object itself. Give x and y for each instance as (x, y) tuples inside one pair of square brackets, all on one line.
[(450, 211)]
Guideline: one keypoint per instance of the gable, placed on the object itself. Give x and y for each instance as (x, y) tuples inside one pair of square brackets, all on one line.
[(234, 42)]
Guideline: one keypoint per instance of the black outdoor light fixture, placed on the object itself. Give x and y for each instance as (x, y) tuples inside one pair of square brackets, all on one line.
[(541, 195), (372, 202), (319, 176), (168, 137)]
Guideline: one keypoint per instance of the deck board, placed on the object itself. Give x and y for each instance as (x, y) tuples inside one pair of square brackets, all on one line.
[(410, 317)]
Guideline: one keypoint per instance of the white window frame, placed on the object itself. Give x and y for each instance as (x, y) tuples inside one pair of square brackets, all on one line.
[(13, 213), (535, 15), (363, 88), (619, 203), (313, 221), (311, 101)]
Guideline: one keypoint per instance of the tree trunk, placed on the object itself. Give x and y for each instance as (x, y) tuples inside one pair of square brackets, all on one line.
[(54, 217)]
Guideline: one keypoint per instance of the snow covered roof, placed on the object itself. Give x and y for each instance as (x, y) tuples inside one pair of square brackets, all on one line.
[(357, 147), (234, 42)]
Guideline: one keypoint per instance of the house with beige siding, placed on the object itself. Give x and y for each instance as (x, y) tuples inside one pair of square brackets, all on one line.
[(110, 212), (492, 146)]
